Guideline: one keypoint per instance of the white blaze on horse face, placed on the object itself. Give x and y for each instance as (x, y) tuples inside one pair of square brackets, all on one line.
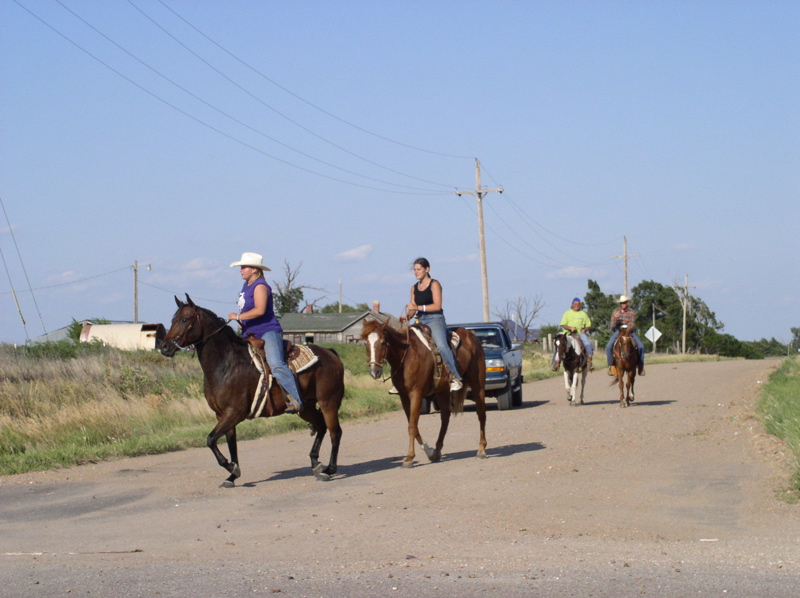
[(372, 339)]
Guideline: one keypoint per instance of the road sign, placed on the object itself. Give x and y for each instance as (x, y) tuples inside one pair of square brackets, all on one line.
[(653, 334)]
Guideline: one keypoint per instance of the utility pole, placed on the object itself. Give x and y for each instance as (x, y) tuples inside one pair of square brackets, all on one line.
[(625, 255), (684, 302), (479, 193), (136, 290)]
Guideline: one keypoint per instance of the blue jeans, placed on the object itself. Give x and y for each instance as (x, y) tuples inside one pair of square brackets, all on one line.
[(276, 360), (610, 347), (439, 333), (587, 344)]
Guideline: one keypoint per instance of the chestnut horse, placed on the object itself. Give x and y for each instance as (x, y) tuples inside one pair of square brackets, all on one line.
[(230, 382), (626, 361), (571, 352), (413, 369)]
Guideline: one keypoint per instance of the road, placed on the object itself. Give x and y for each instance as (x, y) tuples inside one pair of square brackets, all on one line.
[(674, 496)]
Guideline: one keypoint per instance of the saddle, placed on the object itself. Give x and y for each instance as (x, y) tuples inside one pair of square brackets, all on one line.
[(424, 333), (298, 357)]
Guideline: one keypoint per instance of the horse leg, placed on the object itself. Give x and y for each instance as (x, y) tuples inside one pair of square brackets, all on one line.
[(444, 413), (412, 406), (631, 382), (331, 417), (567, 383), (228, 428), (621, 379), (584, 372)]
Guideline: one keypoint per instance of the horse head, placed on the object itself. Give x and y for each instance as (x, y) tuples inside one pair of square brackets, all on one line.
[(561, 345), (374, 336), (186, 328)]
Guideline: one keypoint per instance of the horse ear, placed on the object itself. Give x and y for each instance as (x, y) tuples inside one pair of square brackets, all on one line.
[(178, 302), (189, 301)]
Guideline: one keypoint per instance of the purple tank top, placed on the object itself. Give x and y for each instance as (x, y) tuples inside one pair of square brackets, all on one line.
[(264, 323)]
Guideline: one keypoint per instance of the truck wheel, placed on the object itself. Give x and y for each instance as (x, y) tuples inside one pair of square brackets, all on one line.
[(516, 396), (504, 399)]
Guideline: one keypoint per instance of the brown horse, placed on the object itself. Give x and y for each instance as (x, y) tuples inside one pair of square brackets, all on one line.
[(626, 361), (231, 380), (413, 369), (571, 352)]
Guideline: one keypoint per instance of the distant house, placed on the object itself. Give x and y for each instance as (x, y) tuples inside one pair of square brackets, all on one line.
[(130, 337), (344, 327)]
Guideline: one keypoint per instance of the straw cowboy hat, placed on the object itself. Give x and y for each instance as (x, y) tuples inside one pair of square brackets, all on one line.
[(624, 299), (252, 260)]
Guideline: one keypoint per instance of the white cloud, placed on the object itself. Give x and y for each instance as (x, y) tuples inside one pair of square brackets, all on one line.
[(358, 254)]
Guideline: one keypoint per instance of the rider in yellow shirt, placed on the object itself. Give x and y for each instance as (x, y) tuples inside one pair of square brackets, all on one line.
[(577, 320)]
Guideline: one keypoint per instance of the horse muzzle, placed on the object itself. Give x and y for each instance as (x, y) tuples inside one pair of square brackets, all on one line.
[(376, 370), (168, 347)]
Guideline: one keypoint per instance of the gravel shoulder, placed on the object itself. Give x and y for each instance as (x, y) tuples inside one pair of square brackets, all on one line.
[(676, 495)]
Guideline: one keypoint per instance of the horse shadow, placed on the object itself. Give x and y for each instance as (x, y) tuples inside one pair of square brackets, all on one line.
[(634, 404), (387, 463)]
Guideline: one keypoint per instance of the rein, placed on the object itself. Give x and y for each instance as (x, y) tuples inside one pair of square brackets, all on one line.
[(202, 340)]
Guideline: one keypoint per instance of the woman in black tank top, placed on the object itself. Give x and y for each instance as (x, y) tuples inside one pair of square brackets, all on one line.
[(426, 304)]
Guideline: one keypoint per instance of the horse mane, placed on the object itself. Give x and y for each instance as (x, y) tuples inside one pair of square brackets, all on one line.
[(371, 326), (227, 331)]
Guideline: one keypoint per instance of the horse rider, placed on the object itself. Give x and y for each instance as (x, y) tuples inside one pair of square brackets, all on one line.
[(426, 302), (623, 316), (256, 317), (576, 320)]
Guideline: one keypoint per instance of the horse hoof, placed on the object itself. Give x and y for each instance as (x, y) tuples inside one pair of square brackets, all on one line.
[(322, 477), (481, 455), (227, 484), (408, 464)]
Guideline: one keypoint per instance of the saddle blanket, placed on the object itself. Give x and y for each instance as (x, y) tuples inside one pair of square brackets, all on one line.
[(301, 359), (454, 339)]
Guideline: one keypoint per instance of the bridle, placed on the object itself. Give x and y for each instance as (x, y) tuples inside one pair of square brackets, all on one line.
[(382, 364), (224, 324)]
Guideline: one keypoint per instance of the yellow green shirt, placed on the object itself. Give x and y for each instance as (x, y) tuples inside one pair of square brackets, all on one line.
[(578, 319)]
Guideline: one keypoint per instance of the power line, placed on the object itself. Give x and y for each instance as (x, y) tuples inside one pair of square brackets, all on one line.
[(278, 85), (215, 129), (240, 122)]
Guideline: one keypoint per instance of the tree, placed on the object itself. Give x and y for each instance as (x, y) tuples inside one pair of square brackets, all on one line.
[(521, 312), (599, 308), (288, 297)]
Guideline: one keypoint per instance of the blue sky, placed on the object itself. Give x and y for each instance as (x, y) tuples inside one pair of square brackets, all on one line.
[(331, 135)]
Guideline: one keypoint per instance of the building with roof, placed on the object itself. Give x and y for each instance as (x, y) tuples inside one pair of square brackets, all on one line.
[(345, 327)]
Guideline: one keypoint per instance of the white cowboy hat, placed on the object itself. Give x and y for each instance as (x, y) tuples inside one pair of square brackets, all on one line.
[(624, 299), (253, 260)]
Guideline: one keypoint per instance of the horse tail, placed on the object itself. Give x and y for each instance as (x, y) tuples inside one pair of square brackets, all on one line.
[(457, 401)]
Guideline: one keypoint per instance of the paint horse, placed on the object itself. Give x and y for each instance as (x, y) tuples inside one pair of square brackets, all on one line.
[(571, 352)]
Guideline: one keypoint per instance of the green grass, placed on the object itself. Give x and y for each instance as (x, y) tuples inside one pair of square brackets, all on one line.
[(779, 407)]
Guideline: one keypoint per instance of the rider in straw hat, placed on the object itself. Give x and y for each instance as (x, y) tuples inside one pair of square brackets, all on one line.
[(624, 315), (256, 317)]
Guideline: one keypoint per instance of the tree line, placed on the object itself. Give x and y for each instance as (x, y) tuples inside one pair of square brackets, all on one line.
[(661, 306)]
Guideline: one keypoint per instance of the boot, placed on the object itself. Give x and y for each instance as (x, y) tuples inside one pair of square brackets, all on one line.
[(293, 406), (641, 370), (612, 371), (591, 365), (456, 384)]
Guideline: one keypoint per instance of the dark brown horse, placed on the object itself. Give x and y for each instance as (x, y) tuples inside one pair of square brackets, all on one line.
[(626, 362), (413, 369), (230, 382), (571, 352)]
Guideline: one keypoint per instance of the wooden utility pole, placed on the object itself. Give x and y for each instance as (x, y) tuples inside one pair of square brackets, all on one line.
[(479, 194), (625, 255), (684, 302)]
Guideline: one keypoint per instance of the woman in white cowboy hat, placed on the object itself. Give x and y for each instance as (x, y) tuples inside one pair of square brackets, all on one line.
[(624, 315), (256, 317)]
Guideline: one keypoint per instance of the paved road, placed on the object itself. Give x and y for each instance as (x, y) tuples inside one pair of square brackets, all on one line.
[(674, 496)]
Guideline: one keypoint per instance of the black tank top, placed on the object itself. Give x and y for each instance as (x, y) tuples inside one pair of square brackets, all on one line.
[(425, 298)]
